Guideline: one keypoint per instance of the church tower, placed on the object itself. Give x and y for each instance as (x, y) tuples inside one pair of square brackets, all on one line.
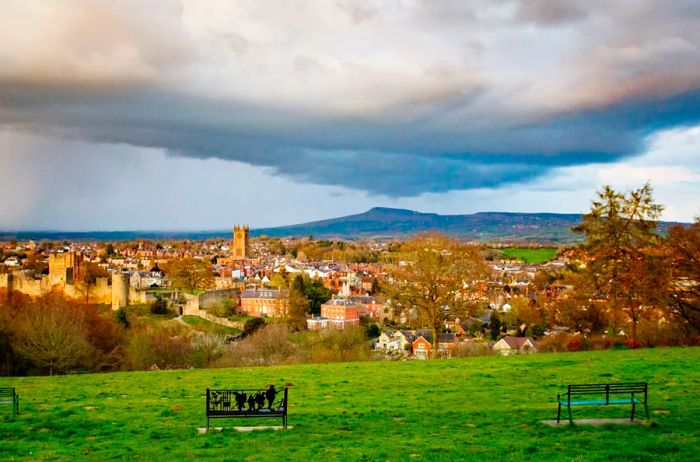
[(241, 244)]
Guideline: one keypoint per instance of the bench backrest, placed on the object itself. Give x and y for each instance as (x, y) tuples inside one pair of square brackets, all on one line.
[(608, 388), (225, 401), (7, 392)]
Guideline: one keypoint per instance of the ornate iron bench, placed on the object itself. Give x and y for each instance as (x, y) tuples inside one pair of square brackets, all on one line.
[(632, 393), (9, 396), (247, 403)]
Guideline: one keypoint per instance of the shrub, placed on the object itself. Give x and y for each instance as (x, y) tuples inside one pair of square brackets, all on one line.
[(267, 346), (373, 331), (467, 349), (222, 309), (345, 345), (552, 343), (253, 325), (158, 347), (160, 306), (206, 349), (122, 318)]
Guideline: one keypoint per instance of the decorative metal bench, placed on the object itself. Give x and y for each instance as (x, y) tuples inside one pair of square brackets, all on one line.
[(9, 396), (247, 403), (631, 391)]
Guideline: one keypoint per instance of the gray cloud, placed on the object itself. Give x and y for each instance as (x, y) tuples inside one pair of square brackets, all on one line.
[(385, 98)]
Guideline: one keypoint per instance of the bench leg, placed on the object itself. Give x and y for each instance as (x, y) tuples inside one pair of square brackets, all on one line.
[(559, 413), (571, 420), (207, 424), (632, 415), (646, 410)]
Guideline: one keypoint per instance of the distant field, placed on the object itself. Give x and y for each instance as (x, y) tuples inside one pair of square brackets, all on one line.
[(531, 256), (473, 409)]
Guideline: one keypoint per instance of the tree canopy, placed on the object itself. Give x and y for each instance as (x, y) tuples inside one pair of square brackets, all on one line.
[(190, 274), (621, 246), (437, 276)]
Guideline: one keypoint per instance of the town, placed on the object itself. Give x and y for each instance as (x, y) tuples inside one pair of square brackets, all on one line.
[(514, 306)]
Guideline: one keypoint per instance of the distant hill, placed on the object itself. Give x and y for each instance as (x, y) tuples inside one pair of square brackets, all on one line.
[(380, 222), (376, 223)]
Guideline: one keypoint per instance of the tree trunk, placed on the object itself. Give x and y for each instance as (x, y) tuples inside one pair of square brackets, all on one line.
[(436, 342)]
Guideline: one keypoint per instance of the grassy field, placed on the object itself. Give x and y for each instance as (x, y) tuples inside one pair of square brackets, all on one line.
[(468, 409), (530, 256)]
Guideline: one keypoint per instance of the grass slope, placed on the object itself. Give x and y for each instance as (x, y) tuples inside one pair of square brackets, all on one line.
[(531, 256), (473, 409)]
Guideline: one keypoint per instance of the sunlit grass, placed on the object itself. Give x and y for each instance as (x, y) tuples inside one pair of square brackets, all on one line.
[(473, 408), (530, 256)]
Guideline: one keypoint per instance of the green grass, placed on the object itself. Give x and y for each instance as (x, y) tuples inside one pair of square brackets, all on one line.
[(464, 409), (530, 256), (205, 325)]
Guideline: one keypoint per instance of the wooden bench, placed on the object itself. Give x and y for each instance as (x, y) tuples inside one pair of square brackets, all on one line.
[(9, 396), (247, 403), (607, 393)]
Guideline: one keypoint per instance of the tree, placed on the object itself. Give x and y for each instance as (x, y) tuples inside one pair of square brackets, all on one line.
[(436, 276), (620, 238), (376, 288), (52, 335), (683, 257), (190, 274), (109, 250), (122, 318), (297, 308), (279, 280), (317, 294), (495, 325), (91, 272), (373, 331)]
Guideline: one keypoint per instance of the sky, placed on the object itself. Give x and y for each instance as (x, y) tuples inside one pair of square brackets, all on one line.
[(198, 114)]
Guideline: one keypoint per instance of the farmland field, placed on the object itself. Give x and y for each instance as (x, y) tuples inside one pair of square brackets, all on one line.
[(530, 256), (486, 408)]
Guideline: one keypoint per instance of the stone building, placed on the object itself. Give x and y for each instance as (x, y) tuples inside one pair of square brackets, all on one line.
[(241, 243)]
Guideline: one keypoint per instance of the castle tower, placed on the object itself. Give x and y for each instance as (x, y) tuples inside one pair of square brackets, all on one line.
[(120, 290), (241, 244)]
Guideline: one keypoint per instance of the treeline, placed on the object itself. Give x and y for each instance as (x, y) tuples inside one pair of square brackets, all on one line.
[(310, 250), (52, 335)]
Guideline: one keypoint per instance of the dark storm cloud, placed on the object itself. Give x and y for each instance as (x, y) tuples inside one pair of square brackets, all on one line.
[(386, 99)]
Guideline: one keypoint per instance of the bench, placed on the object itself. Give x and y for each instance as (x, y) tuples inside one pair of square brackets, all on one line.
[(9, 396), (608, 393), (247, 403)]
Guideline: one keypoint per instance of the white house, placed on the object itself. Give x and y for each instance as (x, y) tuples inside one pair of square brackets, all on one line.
[(510, 345)]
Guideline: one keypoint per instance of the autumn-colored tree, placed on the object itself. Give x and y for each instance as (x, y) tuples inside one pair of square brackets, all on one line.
[(437, 276), (620, 241), (52, 334), (190, 274), (298, 305), (279, 280), (683, 258)]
